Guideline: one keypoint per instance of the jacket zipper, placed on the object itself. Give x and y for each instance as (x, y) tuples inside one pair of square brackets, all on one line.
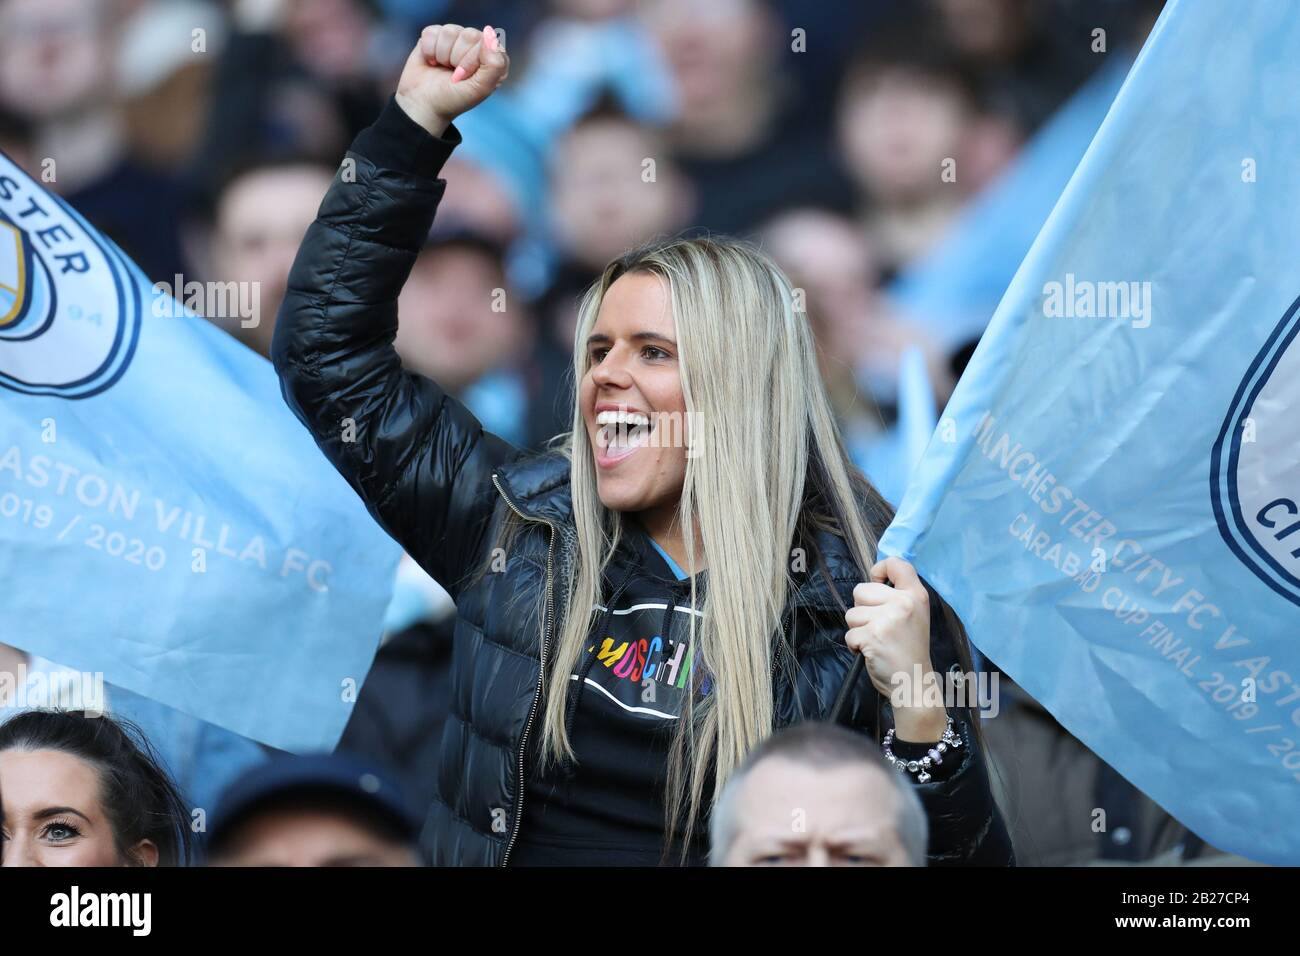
[(786, 621), (785, 639), (541, 673)]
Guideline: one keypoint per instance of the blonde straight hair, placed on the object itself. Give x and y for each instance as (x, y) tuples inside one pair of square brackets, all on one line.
[(759, 419)]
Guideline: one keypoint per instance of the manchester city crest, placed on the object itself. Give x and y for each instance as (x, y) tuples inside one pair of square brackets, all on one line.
[(1255, 467), (69, 306)]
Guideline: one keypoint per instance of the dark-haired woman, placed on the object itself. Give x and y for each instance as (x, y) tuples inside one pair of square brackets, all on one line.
[(81, 790)]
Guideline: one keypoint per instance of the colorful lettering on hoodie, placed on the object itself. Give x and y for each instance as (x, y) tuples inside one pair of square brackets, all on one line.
[(642, 659)]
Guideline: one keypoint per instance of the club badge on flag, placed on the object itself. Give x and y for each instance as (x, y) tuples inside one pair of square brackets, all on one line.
[(164, 519), (1112, 498)]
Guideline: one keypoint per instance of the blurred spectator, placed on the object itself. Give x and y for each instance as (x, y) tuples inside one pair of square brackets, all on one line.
[(463, 326), (314, 811), (1030, 55), (953, 290), (495, 179), (295, 78), (838, 268), (586, 49), (57, 61), (483, 199), (741, 134), (833, 30), (817, 795), (86, 790), (261, 215), (904, 111), (165, 62), (593, 10), (862, 346), (612, 190)]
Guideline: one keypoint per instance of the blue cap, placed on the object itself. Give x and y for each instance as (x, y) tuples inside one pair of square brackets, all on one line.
[(326, 775)]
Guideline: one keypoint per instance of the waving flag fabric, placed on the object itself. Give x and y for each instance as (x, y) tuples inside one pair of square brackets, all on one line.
[(1112, 498), (164, 520)]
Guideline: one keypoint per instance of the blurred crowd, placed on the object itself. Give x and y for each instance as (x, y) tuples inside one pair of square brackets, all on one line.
[(848, 136), (896, 157)]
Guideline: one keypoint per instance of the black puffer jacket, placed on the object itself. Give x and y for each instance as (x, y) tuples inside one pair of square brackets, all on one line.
[(440, 485)]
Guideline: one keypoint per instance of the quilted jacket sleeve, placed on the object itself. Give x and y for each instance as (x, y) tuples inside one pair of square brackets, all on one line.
[(417, 457)]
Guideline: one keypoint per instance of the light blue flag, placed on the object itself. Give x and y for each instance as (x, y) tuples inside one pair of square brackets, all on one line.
[(164, 520), (1112, 498)]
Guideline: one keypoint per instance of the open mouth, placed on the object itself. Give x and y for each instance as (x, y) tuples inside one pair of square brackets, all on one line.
[(619, 434)]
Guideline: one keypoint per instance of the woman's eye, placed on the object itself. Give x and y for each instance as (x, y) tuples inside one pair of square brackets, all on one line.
[(61, 831), (651, 352), (598, 355)]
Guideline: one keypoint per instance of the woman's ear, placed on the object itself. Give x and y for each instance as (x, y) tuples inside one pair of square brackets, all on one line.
[(144, 853)]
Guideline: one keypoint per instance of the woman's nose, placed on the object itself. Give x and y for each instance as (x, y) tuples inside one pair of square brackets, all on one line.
[(612, 371), (16, 853)]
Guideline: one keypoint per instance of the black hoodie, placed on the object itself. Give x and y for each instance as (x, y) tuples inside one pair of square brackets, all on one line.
[(607, 806)]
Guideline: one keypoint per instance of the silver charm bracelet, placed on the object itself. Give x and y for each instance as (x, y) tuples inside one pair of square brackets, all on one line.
[(935, 756)]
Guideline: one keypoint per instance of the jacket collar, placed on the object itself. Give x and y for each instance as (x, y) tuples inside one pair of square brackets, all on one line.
[(538, 486)]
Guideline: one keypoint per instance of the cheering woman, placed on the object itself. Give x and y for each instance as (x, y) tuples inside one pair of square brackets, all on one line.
[(689, 569)]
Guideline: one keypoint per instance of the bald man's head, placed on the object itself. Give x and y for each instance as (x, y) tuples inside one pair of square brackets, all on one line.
[(818, 795)]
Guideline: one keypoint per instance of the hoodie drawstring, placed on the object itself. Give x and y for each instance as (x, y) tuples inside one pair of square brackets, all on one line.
[(590, 658)]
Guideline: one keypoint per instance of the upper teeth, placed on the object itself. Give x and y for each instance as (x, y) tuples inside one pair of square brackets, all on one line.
[(621, 417)]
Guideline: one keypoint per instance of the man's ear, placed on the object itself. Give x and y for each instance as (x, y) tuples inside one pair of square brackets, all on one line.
[(144, 853)]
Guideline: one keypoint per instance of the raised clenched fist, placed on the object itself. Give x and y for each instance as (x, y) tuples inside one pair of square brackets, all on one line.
[(452, 69)]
